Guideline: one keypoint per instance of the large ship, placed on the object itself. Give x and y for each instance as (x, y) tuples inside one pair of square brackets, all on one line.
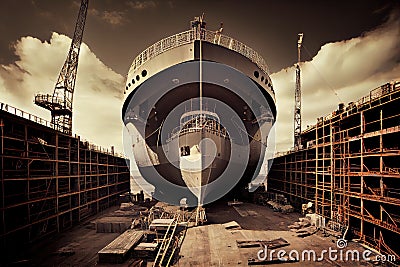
[(199, 106)]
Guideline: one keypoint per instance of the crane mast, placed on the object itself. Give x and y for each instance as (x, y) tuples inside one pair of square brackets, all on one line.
[(297, 105), (60, 102)]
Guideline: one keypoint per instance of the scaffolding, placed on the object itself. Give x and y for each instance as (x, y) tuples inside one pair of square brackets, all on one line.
[(349, 168), (51, 181)]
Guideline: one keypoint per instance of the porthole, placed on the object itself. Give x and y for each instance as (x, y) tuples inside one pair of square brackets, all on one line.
[(133, 81), (137, 77), (126, 88), (129, 84), (144, 73), (262, 78), (256, 74)]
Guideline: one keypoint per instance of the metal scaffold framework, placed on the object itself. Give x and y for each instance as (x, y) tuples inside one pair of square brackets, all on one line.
[(349, 169), (51, 181), (60, 102)]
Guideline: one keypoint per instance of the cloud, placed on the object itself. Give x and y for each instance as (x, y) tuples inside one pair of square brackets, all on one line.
[(111, 17), (140, 5), (98, 90), (349, 68), (114, 17), (93, 12), (340, 72)]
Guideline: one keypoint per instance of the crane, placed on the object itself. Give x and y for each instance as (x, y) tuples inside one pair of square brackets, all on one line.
[(60, 102), (297, 98)]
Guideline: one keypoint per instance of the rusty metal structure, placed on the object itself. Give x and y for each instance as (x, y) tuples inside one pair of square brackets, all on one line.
[(50, 180), (60, 102), (349, 169)]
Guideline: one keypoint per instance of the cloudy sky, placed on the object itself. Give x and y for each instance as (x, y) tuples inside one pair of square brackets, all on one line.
[(350, 47)]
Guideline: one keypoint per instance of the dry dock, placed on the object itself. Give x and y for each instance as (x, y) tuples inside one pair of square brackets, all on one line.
[(347, 168)]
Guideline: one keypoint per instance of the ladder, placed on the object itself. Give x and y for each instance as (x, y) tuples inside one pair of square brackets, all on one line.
[(168, 244)]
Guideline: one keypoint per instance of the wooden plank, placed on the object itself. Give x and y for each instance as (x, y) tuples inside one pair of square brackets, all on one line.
[(118, 250), (145, 250), (231, 225), (244, 212), (275, 243), (113, 224), (268, 262)]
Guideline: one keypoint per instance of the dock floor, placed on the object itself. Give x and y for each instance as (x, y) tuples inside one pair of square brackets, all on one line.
[(213, 245), (207, 245)]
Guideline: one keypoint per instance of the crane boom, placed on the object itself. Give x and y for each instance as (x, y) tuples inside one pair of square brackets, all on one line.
[(60, 102), (297, 105)]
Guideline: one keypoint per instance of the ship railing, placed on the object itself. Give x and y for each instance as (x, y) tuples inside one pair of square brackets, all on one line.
[(189, 36), (55, 101), (379, 91), (177, 131), (373, 94), (23, 114), (100, 149)]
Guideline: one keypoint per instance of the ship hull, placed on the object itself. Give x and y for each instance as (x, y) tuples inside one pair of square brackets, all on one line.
[(166, 189), (206, 158), (152, 110)]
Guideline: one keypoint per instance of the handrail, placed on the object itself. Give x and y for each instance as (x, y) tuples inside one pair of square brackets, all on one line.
[(51, 99), (375, 93), (23, 114), (178, 131), (20, 113), (189, 36)]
